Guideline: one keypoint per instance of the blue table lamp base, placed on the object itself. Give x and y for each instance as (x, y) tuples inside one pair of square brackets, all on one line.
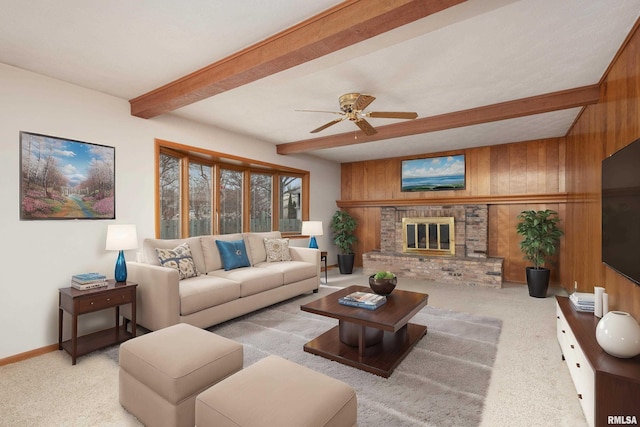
[(312, 242), (121, 268)]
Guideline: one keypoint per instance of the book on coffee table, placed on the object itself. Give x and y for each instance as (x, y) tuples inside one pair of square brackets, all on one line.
[(363, 300)]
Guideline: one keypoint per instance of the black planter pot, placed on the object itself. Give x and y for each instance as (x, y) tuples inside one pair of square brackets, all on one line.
[(345, 263), (538, 281)]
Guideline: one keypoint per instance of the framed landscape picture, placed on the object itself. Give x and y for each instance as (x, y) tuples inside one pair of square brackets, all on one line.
[(434, 173), (65, 179)]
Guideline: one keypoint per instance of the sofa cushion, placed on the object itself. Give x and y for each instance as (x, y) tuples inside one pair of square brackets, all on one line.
[(233, 254), (205, 291), (211, 254), (252, 280), (277, 249), (292, 271), (151, 257), (178, 258), (255, 245)]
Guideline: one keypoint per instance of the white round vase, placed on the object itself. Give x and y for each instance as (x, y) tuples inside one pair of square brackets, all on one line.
[(618, 334)]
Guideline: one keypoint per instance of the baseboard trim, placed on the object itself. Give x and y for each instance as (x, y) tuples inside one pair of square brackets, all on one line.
[(28, 354)]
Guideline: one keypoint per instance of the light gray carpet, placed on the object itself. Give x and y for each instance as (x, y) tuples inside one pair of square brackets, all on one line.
[(530, 383), (442, 382)]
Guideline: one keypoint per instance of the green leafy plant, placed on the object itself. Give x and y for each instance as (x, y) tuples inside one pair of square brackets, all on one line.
[(343, 226), (541, 235), (384, 275)]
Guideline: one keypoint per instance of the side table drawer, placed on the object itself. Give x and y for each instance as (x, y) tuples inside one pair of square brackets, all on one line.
[(99, 302)]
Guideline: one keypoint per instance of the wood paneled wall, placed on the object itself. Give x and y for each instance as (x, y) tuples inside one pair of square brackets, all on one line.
[(600, 131), (534, 167), (504, 176), (570, 166)]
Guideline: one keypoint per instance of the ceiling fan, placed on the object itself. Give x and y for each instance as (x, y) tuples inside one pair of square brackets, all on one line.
[(351, 106)]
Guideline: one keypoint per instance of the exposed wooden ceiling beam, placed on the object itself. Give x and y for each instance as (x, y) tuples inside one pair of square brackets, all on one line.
[(505, 110), (343, 25)]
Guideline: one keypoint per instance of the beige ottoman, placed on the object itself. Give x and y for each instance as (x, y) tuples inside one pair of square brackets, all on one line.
[(162, 372), (277, 392)]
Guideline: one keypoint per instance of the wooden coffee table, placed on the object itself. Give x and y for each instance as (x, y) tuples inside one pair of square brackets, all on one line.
[(375, 341)]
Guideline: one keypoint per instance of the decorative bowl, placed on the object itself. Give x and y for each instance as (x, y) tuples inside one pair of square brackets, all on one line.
[(382, 286)]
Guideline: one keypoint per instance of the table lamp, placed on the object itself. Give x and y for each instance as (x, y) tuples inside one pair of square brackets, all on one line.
[(121, 237), (313, 229)]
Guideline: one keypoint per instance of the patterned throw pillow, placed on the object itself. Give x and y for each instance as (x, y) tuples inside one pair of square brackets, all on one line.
[(233, 254), (277, 249), (179, 259)]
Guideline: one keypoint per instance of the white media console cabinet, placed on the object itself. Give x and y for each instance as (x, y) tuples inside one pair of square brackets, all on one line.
[(608, 387)]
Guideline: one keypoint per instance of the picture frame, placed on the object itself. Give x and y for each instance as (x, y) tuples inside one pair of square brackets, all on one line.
[(434, 174), (62, 179)]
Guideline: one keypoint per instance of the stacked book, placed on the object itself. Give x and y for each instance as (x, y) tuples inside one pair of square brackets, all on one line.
[(86, 281), (582, 301), (363, 300)]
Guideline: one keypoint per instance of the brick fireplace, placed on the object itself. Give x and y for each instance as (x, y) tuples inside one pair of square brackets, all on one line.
[(468, 264)]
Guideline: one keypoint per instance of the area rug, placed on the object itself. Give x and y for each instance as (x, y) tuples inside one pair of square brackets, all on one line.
[(442, 382)]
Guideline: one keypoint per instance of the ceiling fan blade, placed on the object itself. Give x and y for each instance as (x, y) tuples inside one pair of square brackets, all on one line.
[(391, 115), (366, 127), (320, 111), (331, 123), (362, 102)]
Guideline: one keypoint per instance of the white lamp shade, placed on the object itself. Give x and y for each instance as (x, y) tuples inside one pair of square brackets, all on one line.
[(311, 228), (121, 237)]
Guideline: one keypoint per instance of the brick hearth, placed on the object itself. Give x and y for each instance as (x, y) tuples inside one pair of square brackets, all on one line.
[(470, 265)]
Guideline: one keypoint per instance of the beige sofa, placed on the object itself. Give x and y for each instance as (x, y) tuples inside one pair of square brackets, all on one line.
[(215, 294)]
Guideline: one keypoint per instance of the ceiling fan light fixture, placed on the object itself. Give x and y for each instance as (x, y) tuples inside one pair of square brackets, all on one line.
[(351, 106)]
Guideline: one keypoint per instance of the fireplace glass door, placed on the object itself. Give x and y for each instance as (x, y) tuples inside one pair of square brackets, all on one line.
[(428, 235)]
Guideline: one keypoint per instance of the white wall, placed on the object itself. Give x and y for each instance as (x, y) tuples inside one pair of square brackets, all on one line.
[(40, 256)]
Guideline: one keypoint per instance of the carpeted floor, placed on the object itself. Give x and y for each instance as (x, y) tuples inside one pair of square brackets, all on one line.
[(443, 381), (529, 386)]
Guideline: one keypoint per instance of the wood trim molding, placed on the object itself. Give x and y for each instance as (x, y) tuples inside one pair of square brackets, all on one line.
[(346, 24), (219, 157), (554, 101), (28, 354), (514, 199)]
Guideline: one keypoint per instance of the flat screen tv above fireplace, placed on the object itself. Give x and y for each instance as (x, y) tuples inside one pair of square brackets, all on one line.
[(621, 211)]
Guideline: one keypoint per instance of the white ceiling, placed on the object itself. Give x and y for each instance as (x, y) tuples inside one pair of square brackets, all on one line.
[(478, 53)]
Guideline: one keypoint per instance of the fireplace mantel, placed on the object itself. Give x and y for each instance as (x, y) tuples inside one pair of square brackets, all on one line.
[(510, 199)]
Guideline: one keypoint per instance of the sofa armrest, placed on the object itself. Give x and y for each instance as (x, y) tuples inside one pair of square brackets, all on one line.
[(307, 255), (157, 296)]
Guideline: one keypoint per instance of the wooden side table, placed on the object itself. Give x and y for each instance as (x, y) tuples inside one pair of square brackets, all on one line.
[(77, 302), (323, 258)]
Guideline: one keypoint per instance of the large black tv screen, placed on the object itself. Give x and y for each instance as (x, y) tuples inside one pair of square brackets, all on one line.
[(621, 211)]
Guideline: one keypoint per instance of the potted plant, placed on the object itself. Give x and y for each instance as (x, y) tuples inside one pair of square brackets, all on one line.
[(541, 236), (383, 282), (343, 226)]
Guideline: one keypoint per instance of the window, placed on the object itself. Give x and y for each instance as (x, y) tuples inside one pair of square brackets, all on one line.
[(290, 201), (200, 196), (261, 202), (169, 196), (230, 201), (202, 192)]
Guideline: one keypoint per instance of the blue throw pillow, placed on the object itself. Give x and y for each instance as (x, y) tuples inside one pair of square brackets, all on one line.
[(233, 254)]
